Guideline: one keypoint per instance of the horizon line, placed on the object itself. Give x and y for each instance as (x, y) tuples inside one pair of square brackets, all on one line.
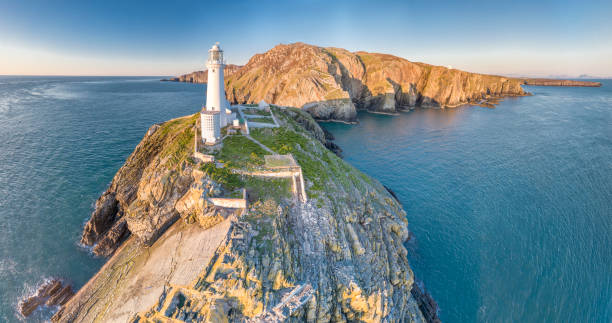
[(553, 77)]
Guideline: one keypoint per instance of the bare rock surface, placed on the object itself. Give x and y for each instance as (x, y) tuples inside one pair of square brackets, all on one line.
[(52, 292), (135, 277)]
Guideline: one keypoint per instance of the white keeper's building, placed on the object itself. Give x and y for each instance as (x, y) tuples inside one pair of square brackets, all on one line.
[(216, 113)]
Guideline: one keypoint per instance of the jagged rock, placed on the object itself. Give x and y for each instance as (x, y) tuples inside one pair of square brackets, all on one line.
[(60, 297), (141, 197), (101, 219), (110, 241), (50, 293)]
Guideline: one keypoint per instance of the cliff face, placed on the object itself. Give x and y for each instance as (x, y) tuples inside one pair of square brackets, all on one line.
[(331, 83), (142, 195), (202, 76), (337, 257)]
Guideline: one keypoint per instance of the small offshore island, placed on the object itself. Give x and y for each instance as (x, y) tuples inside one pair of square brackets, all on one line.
[(260, 224)]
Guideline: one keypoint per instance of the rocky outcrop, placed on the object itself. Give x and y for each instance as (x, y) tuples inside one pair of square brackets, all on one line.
[(554, 82), (332, 83), (338, 257), (202, 76), (52, 292), (140, 199)]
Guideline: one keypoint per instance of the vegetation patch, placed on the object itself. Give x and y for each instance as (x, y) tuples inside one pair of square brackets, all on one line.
[(223, 176), (262, 216), (285, 141), (239, 151), (262, 120), (263, 189), (259, 112), (178, 134)]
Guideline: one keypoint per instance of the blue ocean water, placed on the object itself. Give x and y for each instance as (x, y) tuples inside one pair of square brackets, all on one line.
[(61, 141), (511, 208)]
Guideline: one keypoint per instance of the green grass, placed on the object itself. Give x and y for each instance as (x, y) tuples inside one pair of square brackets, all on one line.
[(236, 194), (262, 189), (223, 176), (261, 120), (285, 141), (256, 112), (239, 151), (179, 135)]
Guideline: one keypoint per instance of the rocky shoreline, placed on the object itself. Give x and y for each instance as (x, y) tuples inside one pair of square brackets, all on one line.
[(50, 293), (340, 256)]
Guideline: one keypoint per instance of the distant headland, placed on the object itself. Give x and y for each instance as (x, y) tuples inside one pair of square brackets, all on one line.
[(333, 83), (554, 82)]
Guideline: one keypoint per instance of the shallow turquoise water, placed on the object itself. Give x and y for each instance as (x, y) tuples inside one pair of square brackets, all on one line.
[(61, 141), (511, 208)]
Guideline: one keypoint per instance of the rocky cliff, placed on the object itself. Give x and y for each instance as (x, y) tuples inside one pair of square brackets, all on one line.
[(332, 83), (178, 257), (202, 76)]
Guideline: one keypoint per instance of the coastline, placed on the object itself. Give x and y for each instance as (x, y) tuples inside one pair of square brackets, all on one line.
[(324, 195)]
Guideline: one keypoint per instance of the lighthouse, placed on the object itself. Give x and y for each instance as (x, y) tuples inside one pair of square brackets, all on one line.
[(215, 114), (215, 91)]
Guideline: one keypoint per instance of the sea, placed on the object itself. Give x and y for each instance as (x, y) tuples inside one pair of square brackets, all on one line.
[(510, 208)]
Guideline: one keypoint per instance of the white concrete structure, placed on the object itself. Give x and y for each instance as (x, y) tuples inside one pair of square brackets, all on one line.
[(211, 130), (262, 104), (215, 89), (215, 98)]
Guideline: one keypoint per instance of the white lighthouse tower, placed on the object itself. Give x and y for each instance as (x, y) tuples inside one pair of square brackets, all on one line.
[(215, 91), (215, 114)]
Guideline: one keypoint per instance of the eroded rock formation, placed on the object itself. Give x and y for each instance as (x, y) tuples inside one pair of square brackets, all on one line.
[(52, 292), (332, 83)]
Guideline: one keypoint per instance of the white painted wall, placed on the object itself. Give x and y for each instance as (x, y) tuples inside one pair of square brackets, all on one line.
[(215, 89)]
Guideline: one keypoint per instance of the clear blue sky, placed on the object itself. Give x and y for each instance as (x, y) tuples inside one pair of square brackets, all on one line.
[(163, 38)]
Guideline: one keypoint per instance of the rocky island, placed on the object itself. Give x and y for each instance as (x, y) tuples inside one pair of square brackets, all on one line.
[(205, 234), (333, 83)]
